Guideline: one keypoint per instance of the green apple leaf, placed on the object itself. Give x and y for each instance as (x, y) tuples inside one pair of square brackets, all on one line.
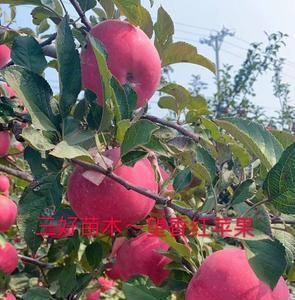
[(267, 259), (37, 293), (182, 179), (136, 14), (164, 30), (27, 53), (246, 190), (279, 183), (36, 93), (137, 134), (65, 150), (68, 66), (108, 7), (284, 137), (181, 52), (36, 199), (256, 139), (37, 139)]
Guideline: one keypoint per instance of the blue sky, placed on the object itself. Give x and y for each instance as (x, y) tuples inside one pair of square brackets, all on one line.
[(248, 18)]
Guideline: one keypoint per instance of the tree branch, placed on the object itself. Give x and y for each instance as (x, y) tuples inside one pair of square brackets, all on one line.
[(20, 174), (81, 14), (36, 262), (193, 214), (195, 137)]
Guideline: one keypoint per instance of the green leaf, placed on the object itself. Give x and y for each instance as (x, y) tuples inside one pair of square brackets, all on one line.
[(182, 180), (168, 102), (246, 190), (205, 158), (180, 95), (39, 14), (37, 139), (74, 134), (132, 157), (284, 137), (181, 52), (36, 94), (288, 240), (240, 154), (94, 254), (133, 292), (164, 30), (27, 52), (126, 104), (137, 135), (122, 128), (136, 14), (36, 199), (109, 7), (64, 150), (67, 280), (267, 259), (256, 139), (279, 183), (41, 166), (69, 67), (37, 293), (54, 5), (259, 215), (105, 73), (87, 4)]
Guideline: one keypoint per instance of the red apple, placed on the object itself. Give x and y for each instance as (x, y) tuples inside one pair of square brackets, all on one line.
[(8, 258), (105, 283), (8, 213), (4, 55), (139, 256), (94, 296), (19, 146), (132, 58), (11, 93), (92, 194), (10, 296), (4, 143), (227, 275), (4, 185)]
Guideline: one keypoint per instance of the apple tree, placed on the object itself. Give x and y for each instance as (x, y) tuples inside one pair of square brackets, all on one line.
[(99, 199)]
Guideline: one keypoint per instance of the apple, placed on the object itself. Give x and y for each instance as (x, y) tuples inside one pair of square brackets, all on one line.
[(4, 55), (8, 258), (105, 283), (94, 295), (8, 213), (10, 296), (19, 146), (131, 57), (139, 256), (92, 194), (227, 275), (4, 185), (4, 143)]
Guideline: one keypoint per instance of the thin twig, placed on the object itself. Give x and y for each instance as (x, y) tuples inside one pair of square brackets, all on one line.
[(49, 40), (36, 262), (254, 206), (195, 137), (20, 174), (191, 213), (81, 14)]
